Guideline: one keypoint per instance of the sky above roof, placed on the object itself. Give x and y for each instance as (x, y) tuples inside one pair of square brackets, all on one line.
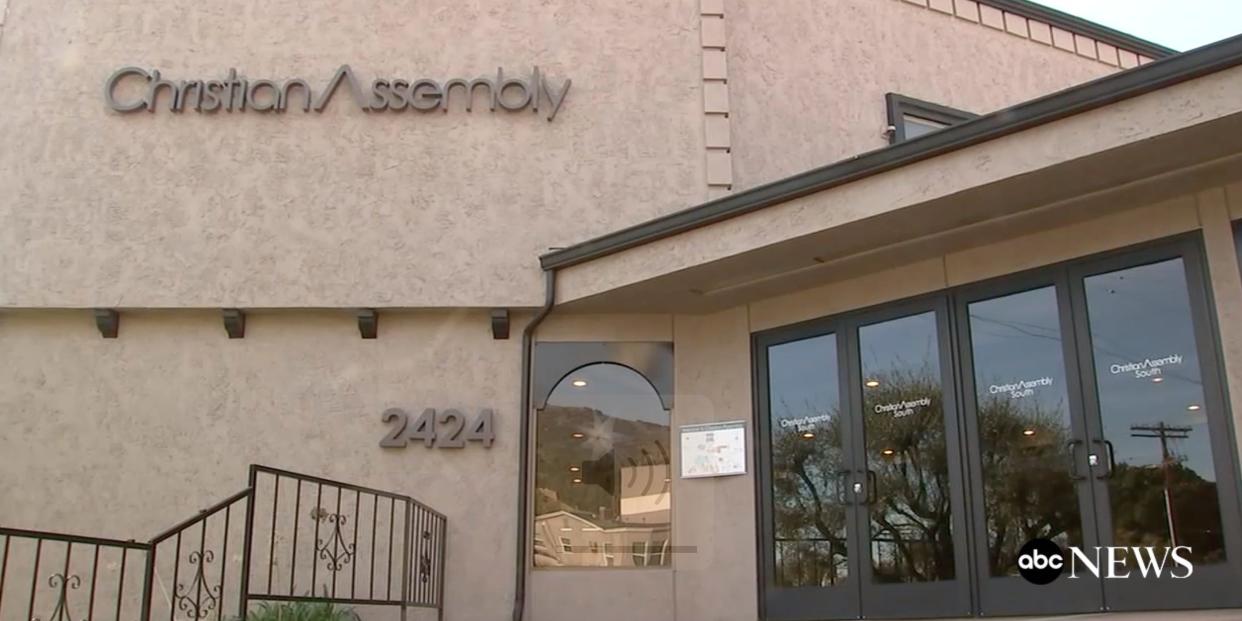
[(1179, 24)]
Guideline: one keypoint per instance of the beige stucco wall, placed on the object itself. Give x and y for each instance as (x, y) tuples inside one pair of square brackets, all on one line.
[(1214, 97), (127, 437), (169, 213), (810, 91), (163, 420), (342, 208), (349, 209)]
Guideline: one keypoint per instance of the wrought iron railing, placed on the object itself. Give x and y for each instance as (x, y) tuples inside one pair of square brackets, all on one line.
[(287, 537)]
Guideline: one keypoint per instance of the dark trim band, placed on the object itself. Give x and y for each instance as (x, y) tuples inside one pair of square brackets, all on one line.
[(1069, 102), (1081, 26), (900, 106)]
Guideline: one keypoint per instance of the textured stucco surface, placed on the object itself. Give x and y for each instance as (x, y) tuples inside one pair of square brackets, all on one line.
[(810, 91), (344, 208), (1214, 206), (124, 437), (1128, 122), (716, 581), (127, 437)]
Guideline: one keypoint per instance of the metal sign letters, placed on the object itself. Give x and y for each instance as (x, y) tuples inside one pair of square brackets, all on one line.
[(235, 93), (445, 429)]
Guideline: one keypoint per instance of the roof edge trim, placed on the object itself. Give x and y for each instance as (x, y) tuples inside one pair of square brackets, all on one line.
[(1069, 102), (1073, 23)]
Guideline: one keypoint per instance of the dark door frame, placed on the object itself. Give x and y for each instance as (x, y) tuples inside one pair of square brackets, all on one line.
[(1010, 595), (799, 603), (1214, 586), (942, 598), (1131, 595)]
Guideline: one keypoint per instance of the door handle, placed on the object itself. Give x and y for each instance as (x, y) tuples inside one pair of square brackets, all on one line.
[(872, 492), (1110, 459), (841, 477), (1072, 447)]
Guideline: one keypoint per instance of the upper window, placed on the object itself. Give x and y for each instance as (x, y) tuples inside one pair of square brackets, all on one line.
[(910, 118), (603, 469)]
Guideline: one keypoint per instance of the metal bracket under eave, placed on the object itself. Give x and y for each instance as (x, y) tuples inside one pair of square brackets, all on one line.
[(500, 323), (108, 321), (234, 323), (368, 323)]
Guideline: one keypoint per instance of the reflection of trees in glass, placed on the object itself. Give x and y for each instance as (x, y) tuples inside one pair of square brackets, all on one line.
[(911, 519), (607, 444), (1140, 519), (809, 519), (1028, 490)]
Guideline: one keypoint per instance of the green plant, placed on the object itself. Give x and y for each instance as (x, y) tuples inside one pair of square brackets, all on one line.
[(301, 611)]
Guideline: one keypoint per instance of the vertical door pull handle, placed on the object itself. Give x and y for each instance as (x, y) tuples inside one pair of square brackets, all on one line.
[(1072, 447), (872, 492), (842, 478), (1110, 459)]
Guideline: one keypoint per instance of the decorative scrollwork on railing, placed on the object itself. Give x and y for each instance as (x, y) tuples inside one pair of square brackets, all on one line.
[(62, 584), (197, 599), (424, 567), (335, 550), (424, 560)]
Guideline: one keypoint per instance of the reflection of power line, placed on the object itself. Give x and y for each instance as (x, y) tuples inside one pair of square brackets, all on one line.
[(1016, 326), (1164, 433), (1097, 342)]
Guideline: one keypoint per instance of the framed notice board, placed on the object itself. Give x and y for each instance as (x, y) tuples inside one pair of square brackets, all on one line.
[(713, 450)]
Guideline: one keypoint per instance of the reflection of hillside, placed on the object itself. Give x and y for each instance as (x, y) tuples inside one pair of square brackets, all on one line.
[(622, 464)]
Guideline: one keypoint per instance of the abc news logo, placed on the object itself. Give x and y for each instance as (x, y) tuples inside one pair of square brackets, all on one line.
[(1041, 561)]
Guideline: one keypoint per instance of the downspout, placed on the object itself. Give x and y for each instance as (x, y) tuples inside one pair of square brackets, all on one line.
[(528, 337)]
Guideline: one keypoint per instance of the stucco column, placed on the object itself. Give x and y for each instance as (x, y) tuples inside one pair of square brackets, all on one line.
[(1226, 282), (716, 516)]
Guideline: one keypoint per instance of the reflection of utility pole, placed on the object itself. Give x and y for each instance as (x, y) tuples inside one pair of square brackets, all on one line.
[(1164, 433)]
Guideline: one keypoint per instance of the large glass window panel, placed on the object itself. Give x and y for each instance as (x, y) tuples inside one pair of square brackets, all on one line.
[(602, 472), (1024, 425), (907, 460), (1162, 487), (808, 463)]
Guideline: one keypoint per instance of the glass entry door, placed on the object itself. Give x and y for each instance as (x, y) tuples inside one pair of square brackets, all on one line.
[(907, 455), (1158, 427), (908, 488), (810, 559), (1026, 440), (863, 510)]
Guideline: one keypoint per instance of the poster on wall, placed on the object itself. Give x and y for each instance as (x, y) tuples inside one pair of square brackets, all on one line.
[(713, 450)]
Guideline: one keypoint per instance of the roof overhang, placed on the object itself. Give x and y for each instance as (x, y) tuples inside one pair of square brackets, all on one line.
[(1160, 129)]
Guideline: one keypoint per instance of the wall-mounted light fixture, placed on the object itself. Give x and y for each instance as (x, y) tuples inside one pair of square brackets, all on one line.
[(368, 323), (108, 321), (234, 322), (500, 323)]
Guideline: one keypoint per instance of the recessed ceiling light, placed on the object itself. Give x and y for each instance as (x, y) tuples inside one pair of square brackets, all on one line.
[(808, 435), (577, 480), (577, 434), (1193, 407), (888, 451), (1157, 380), (872, 383), (579, 383), (1028, 432), (574, 469)]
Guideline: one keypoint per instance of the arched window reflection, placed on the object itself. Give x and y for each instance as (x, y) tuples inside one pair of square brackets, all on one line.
[(603, 472)]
